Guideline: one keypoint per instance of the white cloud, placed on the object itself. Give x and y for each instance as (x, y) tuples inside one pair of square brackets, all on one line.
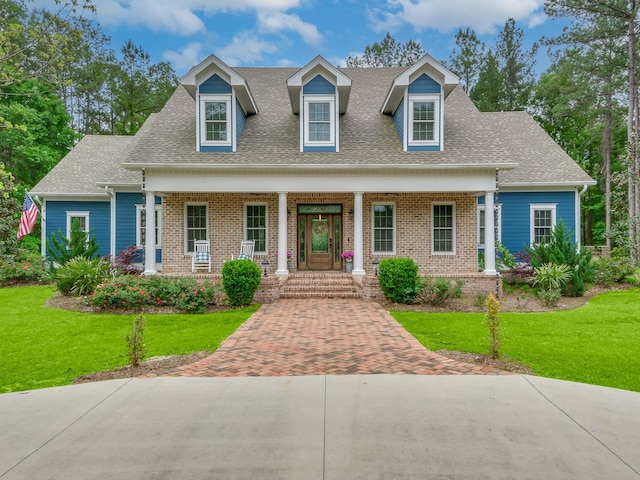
[(444, 15), (274, 22), (157, 15), (245, 49), (185, 58)]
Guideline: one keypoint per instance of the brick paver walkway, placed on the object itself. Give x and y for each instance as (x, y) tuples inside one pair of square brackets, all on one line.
[(324, 337)]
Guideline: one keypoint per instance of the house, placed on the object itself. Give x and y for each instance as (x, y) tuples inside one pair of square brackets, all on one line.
[(314, 161)]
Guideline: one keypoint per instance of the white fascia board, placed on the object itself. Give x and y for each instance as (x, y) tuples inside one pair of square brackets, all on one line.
[(323, 181), (323, 167), (540, 186), (72, 197)]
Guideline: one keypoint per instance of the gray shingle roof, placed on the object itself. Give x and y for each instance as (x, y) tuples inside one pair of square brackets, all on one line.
[(272, 137), (95, 158)]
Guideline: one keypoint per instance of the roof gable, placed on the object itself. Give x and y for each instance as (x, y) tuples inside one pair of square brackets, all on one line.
[(319, 66), (211, 66), (428, 66)]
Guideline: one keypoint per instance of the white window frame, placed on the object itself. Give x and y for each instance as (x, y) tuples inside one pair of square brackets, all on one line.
[(140, 225), (72, 215), (205, 98), (373, 228), (453, 228), (534, 207), (186, 231), (435, 99), (266, 225), (482, 208), (331, 100)]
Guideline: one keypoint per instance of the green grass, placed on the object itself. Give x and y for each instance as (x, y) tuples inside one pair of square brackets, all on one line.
[(45, 347), (598, 343)]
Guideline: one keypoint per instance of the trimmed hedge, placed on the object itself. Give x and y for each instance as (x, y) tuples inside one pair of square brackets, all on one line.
[(240, 279)]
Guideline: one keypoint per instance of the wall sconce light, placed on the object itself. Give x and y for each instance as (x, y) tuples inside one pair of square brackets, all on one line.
[(375, 266), (265, 266), (351, 212)]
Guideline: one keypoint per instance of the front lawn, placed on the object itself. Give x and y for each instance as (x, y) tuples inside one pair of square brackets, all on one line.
[(44, 347), (598, 343)]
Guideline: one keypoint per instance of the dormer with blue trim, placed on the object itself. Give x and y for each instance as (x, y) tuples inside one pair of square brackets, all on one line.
[(416, 102), (223, 103), (319, 94)]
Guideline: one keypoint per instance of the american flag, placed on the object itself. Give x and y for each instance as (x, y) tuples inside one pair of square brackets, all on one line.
[(28, 217)]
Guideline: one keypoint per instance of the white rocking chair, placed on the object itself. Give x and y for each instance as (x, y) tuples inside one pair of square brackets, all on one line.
[(246, 250), (201, 255)]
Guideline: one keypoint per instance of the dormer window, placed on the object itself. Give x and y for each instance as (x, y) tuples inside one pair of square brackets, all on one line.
[(425, 115), (319, 94), (215, 113), (319, 121)]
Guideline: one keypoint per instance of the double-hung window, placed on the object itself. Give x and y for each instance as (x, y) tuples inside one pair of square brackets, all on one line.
[(319, 125), (215, 120), (542, 221), (81, 217), (195, 224), (443, 228), (141, 225), (481, 225), (424, 118), (384, 229), (256, 226)]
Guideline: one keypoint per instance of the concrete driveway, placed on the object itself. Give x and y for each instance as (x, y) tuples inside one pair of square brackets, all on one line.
[(322, 427)]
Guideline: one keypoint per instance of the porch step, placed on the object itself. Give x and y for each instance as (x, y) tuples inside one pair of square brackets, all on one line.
[(319, 285)]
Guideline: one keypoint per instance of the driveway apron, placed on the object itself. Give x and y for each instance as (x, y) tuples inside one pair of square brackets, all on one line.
[(324, 337)]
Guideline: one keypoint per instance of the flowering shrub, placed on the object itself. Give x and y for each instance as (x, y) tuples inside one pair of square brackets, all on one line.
[(26, 267), (438, 291), (133, 292), (347, 255)]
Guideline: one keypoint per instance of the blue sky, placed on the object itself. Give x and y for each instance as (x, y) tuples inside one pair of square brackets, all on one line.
[(292, 32)]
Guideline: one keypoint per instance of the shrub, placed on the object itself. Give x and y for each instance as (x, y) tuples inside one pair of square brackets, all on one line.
[(80, 276), (611, 270), (127, 261), (550, 278), (399, 279), (438, 291), (79, 244), (562, 250), (132, 292), (240, 279), (634, 278), (25, 267)]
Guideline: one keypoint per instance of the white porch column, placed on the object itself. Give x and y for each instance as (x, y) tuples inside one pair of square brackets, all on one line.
[(282, 234), (358, 238), (489, 235), (150, 234)]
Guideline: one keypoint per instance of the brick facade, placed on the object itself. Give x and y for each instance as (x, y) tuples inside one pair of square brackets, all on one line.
[(413, 228)]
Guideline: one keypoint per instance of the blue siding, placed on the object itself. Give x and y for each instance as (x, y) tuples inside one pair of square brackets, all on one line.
[(241, 118), (126, 221), (319, 86), (423, 148), (424, 84), (213, 148), (398, 119), (320, 149), (215, 85), (99, 220), (516, 214)]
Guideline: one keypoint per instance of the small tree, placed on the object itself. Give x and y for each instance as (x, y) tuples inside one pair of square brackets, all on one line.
[(135, 342), (492, 319), (79, 244)]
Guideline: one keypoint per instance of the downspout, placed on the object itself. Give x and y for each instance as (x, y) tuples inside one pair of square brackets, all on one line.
[(578, 218), (112, 233)]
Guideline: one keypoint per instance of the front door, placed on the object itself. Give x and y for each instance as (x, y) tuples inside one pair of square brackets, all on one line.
[(319, 240)]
